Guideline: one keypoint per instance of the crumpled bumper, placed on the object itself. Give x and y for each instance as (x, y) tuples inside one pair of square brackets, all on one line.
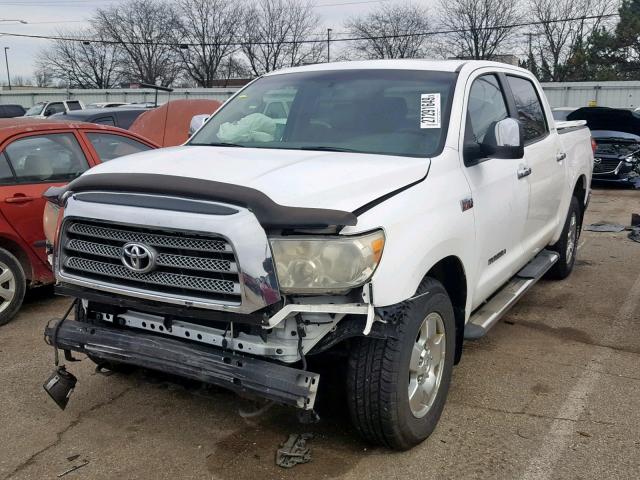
[(239, 373)]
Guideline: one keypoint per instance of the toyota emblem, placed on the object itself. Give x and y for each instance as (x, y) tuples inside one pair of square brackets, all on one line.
[(138, 258)]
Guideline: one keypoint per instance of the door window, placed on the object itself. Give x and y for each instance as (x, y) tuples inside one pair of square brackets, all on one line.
[(74, 105), (6, 175), (109, 146), (53, 108), (486, 108), (105, 121), (55, 157), (530, 112)]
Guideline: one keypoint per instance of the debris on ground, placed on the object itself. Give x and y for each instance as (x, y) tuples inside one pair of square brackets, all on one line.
[(605, 227), (73, 469), (634, 234), (294, 451)]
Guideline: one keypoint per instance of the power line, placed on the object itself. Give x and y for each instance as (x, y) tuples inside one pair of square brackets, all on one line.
[(348, 39)]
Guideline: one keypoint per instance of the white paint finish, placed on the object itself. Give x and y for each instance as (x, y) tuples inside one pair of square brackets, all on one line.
[(562, 431), (299, 178)]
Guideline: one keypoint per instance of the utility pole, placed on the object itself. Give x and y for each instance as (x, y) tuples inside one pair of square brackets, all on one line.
[(328, 45), (530, 34), (6, 61)]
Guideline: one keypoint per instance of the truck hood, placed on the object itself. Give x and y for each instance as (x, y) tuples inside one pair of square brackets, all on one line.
[(297, 178)]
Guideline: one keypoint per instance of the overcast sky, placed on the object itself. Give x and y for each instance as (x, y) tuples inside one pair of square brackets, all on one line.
[(45, 17)]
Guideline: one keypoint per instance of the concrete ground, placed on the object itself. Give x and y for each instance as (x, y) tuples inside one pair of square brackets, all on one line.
[(552, 392)]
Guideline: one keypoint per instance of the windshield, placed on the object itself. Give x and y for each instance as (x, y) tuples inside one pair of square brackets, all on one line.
[(391, 112), (36, 109)]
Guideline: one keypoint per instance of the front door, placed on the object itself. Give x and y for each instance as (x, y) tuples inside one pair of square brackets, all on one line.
[(500, 199), (36, 162)]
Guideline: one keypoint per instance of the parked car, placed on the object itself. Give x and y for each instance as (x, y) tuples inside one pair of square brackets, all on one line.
[(169, 124), (561, 113), (34, 155), (106, 104), (46, 109), (122, 117), (616, 132), (402, 206), (11, 111)]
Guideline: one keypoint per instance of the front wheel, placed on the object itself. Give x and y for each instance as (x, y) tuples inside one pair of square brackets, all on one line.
[(567, 245), (397, 387)]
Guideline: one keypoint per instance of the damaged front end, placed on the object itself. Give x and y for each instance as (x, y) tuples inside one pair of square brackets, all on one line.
[(210, 291), (617, 160)]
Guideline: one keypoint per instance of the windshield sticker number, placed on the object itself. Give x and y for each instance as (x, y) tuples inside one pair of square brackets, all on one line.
[(430, 110)]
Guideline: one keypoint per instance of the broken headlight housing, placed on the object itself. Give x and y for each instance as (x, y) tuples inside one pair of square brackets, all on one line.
[(307, 265)]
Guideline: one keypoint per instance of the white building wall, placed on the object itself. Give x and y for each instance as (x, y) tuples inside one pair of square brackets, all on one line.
[(602, 94)]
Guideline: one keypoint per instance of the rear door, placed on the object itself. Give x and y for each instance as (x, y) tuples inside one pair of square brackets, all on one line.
[(37, 162), (499, 199), (544, 157)]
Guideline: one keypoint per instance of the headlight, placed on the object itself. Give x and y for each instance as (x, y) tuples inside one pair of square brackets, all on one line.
[(50, 221), (326, 265)]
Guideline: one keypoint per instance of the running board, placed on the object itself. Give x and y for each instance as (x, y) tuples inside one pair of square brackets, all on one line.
[(489, 313)]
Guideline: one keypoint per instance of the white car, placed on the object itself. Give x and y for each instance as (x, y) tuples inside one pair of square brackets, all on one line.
[(46, 109), (401, 207), (106, 104)]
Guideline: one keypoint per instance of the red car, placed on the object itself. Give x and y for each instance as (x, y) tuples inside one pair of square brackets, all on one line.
[(35, 155)]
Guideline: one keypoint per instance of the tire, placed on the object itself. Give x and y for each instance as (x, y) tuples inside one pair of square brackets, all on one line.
[(81, 316), (567, 245), (379, 378), (13, 285)]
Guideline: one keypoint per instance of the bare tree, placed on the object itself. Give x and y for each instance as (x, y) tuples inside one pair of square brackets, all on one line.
[(84, 64), (557, 41), (274, 32), (42, 77), (145, 30), (480, 28), (212, 26), (391, 31)]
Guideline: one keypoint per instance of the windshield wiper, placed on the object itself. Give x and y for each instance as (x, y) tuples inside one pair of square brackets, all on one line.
[(325, 148)]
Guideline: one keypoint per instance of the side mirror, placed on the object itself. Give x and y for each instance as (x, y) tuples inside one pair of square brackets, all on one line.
[(196, 122), (506, 142)]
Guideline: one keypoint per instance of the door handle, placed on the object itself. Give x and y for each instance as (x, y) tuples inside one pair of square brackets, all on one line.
[(19, 198), (524, 172), (560, 156)]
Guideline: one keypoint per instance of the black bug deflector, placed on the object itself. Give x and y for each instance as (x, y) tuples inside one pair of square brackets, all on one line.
[(242, 374)]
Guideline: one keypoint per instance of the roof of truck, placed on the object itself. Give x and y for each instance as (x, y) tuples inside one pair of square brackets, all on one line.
[(398, 64)]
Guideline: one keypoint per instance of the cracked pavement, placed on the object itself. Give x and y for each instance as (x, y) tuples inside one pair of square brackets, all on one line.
[(552, 392)]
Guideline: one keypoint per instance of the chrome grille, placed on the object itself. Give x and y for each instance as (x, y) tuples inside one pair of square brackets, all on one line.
[(187, 265), (153, 239)]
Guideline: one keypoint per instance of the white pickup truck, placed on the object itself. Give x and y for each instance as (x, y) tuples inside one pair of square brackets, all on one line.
[(396, 209)]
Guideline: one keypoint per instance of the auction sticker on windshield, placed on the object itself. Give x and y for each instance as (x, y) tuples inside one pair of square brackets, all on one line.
[(430, 110)]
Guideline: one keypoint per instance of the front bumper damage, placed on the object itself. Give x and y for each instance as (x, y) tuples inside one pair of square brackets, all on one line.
[(239, 373)]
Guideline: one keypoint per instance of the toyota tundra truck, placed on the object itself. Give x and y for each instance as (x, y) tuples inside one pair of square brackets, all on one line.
[(396, 209)]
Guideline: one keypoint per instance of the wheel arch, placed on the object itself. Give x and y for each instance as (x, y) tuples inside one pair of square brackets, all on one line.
[(17, 251), (450, 272)]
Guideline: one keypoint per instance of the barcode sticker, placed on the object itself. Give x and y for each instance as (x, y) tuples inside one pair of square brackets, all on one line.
[(430, 110)]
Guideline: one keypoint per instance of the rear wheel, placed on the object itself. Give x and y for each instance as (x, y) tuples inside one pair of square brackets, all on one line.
[(397, 387), (12, 286), (567, 245)]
